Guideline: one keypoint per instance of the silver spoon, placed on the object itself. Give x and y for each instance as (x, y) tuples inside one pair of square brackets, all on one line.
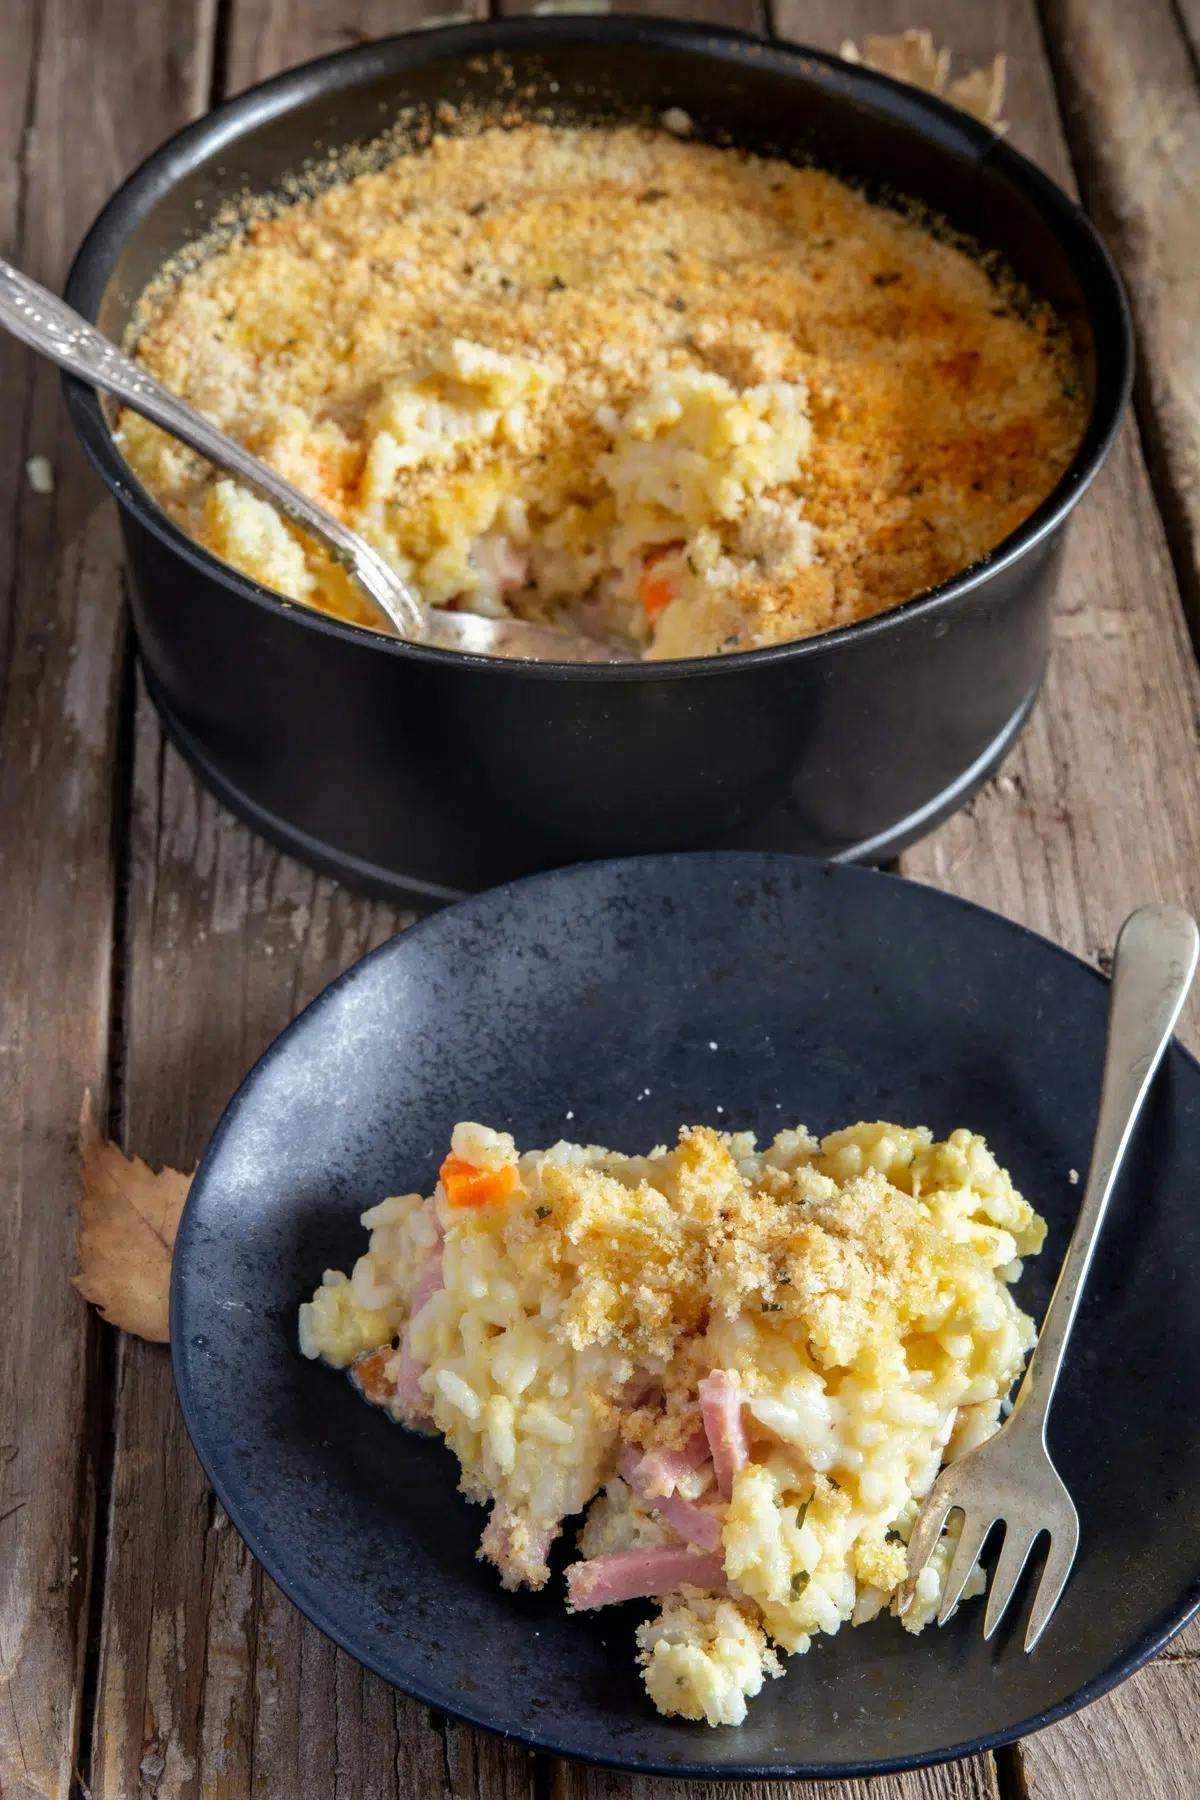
[(47, 324)]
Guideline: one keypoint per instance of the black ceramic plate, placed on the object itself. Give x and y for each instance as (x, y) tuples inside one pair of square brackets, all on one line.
[(830, 994)]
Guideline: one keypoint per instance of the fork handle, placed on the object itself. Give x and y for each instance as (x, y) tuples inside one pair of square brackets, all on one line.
[(1152, 971)]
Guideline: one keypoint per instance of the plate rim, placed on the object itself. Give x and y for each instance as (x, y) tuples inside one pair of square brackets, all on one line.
[(1141, 1652)]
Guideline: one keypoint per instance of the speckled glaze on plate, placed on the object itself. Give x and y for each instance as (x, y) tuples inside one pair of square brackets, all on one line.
[(830, 993)]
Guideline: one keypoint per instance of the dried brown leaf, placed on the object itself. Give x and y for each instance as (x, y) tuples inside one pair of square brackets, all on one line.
[(980, 92), (913, 57), (128, 1217)]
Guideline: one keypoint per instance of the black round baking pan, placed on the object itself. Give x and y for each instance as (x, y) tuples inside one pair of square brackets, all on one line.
[(422, 774)]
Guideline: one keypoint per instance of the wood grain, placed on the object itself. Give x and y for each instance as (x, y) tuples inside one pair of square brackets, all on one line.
[(972, 1779), (1132, 109), (1143, 1748), (265, 36), (117, 88)]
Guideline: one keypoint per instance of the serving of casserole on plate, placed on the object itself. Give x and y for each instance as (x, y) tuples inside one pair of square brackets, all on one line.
[(758, 1360)]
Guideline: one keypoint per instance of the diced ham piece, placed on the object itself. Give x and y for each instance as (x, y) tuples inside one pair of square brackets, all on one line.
[(634, 1574), (721, 1410), (695, 1524), (512, 566), (662, 1471), (410, 1399), (429, 1281), (505, 564)]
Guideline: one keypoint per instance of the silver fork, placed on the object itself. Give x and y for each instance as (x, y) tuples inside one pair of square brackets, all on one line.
[(1010, 1477)]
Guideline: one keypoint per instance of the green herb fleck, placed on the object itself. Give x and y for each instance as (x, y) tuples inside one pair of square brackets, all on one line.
[(543, 1212), (651, 195), (771, 1306), (800, 1581)]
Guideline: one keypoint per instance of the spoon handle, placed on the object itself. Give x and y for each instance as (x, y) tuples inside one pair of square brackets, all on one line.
[(47, 324), (1152, 971)]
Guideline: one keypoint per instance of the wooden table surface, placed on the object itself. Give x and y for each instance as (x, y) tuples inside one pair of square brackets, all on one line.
[(151, 946)]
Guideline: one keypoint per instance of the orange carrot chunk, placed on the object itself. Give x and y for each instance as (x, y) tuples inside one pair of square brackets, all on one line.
[(657, 594), (659, 582), (467, 1184)]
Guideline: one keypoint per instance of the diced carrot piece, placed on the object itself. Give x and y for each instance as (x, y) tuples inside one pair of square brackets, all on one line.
[(659, 583), (657, 594), (467, 1184)]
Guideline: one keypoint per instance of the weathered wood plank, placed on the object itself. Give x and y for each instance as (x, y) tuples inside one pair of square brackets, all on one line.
[(265, 36), (1098, 808), (76, 109), (206, 1674), (1132, 108), (1143, 1749), (973, 1779)]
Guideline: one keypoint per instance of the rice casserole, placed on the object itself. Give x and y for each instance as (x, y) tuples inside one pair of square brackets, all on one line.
[(745, 1366), (699, 400)]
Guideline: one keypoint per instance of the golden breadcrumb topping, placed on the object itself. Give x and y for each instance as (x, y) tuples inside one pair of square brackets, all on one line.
[(703, 400), (748, 1366)]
